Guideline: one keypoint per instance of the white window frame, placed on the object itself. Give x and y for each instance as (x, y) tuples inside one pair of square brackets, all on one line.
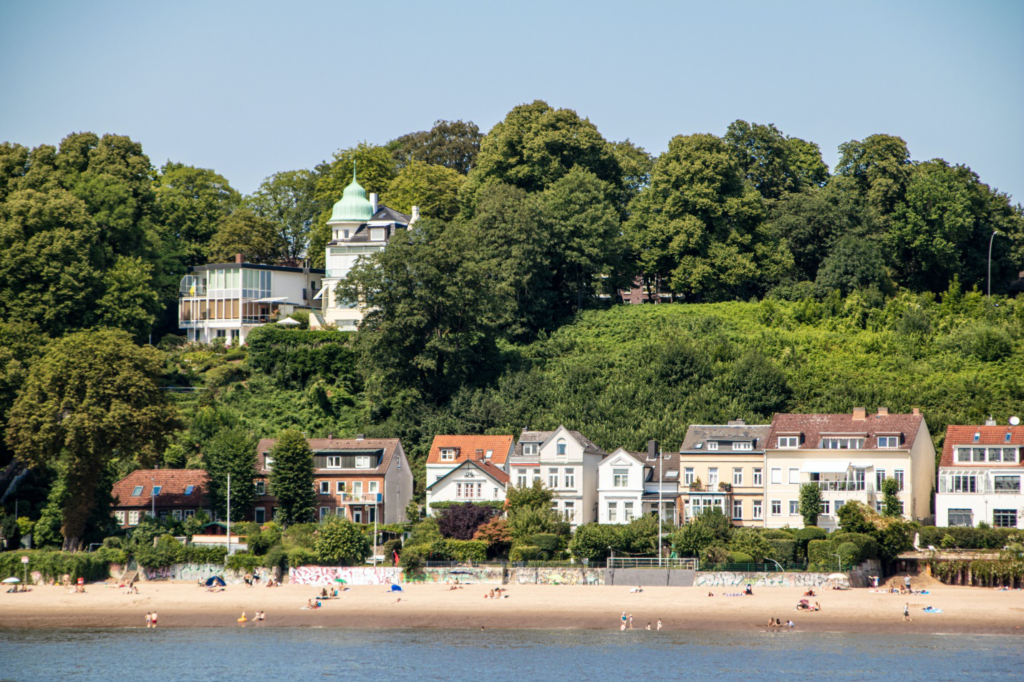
[(743, 446), (553, 478), (794, 476), (627, 511), (561, 449), (570, 479), (688, 476), (794, 508), (826, 508), (133, 518), (789, 442), (712, 445), (758, 510), (758, 476), (339, 487), (737, 476), (620, 478), (613, 512), (333, 462), (898, 475), (529, 449), (447, 455), (776, 475), (737, 509), (119, 515), (712, 476), (363, 462), (888, 442), (325, 487), (776, 507)]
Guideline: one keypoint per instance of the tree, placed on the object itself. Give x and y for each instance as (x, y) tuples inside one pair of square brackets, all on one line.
[(130, 300), (699, 225), (190, 204), (93, 398), (855, 517), (534, 496), (810, 503), (805, 163), (710, 527), (432, 317), (535, 145), (462, 521), (880, 167), (759, 384), (434, 189), (891, 495), (763, 154), (291, 477), (496, 534), (750, 541), (21, 343), (289, 200), (231, 452), (256, 238), (341, 542), (636, 164), (854, 263), (593, 541), (526, 521), (452, 144)]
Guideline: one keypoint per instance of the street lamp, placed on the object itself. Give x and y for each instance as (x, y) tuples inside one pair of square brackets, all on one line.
[(990, 240), (840, 562), (152, 495)]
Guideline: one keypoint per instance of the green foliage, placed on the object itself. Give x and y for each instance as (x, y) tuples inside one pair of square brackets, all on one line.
[(424, 533), (710, 528), (593, 540), (524, 553), (527, 521), (342, 543), (434, 189), (289, 201), (784, 551), (854, 263), (867, 546), (244, 562), (548, 543), (452, 144), (804, 536), (294, 358), (966, 538), (714, 556), (752, 543), (91, 399), (741, 558), (54, 565), (490, 504), (232, 452), (191, 202), (891, 495), (855, 517), (810, 503), (291, 477), (257, 238), (169, 551)]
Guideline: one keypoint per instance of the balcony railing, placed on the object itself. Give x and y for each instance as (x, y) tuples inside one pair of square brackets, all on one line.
[(707, 488), (356, 498), (845, 486)]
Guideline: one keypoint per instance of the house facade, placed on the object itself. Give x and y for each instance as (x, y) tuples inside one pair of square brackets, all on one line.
[(723, 467), (170, 493), (847, 456), (980, 477), (630, 484), (359, 227), (228, 300), (564, 461), (364, 480), (467, 469)]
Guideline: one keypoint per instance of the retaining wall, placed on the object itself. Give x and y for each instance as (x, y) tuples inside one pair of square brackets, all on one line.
[(191, 573), (567, 575), (650, 577), (352, 575), (740, 580), (465, 575)]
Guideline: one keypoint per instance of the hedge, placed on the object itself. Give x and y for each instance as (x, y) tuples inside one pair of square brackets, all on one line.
[(294, 357), (740, 558), (524, 553), (491, 504), (244, 562), (55, 564), (968, 538), (449, 550), (867, 546), (169, 551), (785, 550), (777, 534)]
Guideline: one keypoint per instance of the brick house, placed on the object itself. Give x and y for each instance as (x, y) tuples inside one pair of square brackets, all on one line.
[(175, 493)]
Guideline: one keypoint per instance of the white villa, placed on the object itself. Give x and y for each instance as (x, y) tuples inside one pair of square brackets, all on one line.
[(564, 461), (467, 469), (980, 477), (228, 300), (628, 485), (847, 456), (358, 228)]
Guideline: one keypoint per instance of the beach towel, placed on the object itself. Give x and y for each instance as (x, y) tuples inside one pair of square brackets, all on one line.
[(929, 609)]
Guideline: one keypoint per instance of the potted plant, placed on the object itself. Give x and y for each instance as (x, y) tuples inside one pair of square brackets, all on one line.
[(725, 487), (696, 485)]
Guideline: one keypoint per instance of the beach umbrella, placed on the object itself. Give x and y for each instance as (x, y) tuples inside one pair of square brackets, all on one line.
[(340, 580), (10, 581), (804, 601), (838, 576)]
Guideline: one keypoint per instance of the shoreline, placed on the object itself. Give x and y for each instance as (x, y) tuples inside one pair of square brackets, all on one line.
[(966, 610)]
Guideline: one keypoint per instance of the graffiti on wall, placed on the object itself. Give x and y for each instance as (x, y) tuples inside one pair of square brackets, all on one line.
[(191, 573), (557, 576), (464, 574), (351, 575), (739, 580)]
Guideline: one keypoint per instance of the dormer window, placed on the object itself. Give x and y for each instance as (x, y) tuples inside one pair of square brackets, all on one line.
[(377, 234), (842, 443), (447, 454), (137, 491), (268, 463), (888, 441), (529, 448), (789, 441), (743, 446), (362, 462), (1008, 438), (334, 462), (561, 446), (712, 445), (977, 436)]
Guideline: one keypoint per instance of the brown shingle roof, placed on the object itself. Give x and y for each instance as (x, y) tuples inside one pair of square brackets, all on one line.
[(813, 426), (324, 445), (172, 482), (756, 434), (540, 436), (467, 447), (987, 435)]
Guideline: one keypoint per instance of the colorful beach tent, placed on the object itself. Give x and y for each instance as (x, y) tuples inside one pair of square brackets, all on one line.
[(396, 588), (216, 580)]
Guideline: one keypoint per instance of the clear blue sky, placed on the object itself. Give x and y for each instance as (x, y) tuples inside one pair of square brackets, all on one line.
[(252, 88)]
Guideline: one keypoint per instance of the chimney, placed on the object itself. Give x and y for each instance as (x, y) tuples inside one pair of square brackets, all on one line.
[(860, 413), (373, 201), (916, 412), (737, 422), (990, 421), (652, 449), (239, 258), (415, 215), (883, 411), (479, 454)]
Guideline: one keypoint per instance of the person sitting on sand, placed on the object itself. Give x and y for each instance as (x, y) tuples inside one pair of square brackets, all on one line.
[(790, 624), (771, 622), (749, 590), (809, 592), (817, 607), (711, 594), (648, 626)]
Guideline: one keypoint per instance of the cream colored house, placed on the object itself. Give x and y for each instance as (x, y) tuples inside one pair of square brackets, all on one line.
[(847, 456), (723, 466), (633, 483), (564, 461)]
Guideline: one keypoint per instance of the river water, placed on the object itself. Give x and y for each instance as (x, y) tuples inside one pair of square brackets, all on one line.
[(525, 655)]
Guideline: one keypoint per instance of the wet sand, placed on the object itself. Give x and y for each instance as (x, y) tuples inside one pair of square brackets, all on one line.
[(965, 609)]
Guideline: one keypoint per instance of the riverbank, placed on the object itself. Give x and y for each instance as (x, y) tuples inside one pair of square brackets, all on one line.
[(964, 609)]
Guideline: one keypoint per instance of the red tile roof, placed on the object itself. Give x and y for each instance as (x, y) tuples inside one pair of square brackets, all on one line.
[(813, 426), (988, 435), (471, 447), (172, 482), (332, 445)]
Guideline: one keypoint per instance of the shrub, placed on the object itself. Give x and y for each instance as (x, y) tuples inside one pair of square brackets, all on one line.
[(392, 546), (867, 546), (524, 553), (741, 558), (549, 544), (749, 541), (713, 556), (341, 542), (778, 534), (300, 556), (225, 374), (91, 566), (244, 562), (474, 551), (460, 522), (784, 551), (849, 552), (276, 556), (818, 552), (592, 540), (804, 536)]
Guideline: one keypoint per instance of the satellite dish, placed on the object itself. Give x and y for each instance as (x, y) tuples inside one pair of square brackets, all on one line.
[(1014, 421)]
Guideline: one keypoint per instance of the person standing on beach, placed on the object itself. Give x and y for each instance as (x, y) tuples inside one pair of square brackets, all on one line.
[(153, 619), (631, 621), (906, 612), (906, 582), (623, 620), (149, 619), (659, 625)]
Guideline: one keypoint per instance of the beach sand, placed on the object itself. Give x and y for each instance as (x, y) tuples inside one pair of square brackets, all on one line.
[(965, 609)]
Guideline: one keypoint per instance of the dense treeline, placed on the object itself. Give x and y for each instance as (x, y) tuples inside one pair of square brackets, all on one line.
[(806, 290)]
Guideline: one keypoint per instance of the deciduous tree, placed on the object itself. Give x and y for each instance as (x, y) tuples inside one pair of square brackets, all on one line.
[(452, 144), (231, 452), (810, 503), (342, 543), (434, 189), (257, 238), (289, 200), (291, 478)]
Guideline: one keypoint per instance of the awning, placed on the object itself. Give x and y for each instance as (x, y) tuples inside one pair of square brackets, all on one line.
[(320, 293), (280, 299), (825, 467)]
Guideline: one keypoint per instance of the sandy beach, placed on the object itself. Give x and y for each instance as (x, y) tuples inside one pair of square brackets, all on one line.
[(965, 609)]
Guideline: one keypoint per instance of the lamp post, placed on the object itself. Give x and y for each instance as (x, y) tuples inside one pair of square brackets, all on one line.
[(229, 514), (152, 495), (990, 240), (840, 562)]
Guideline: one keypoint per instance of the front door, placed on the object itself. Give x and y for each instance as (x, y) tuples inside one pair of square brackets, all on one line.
[(357, 514)]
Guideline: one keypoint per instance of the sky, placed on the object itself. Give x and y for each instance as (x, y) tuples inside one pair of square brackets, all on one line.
[(254, 88)]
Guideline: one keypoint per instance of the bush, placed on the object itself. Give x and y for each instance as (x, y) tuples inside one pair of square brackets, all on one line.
[(276, 556), (301, 535), (804, 536), (867, 546), (966, 538), (300, 556), (592, 540), (711, 557), (777, 534), (524, 553), (474, 551), (849, 552), (390, 547), (549, 544), (243, 562), (749, 541), (341, 542), (91, 566), (225, 374), (818, 555), (741, 558), (784, 551), (460, 522)]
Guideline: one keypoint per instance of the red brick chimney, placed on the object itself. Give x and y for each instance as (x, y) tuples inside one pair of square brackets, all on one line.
[(239, 258), (860, 413)]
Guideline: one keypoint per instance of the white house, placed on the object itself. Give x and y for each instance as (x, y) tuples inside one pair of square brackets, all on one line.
[(847, 456), (228, 300), (467, 469), (564, 461), (629, 483), (980, 477), (358, 228)]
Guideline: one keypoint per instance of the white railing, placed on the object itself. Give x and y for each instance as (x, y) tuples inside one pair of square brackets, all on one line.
[(652, 562), (349, 498)]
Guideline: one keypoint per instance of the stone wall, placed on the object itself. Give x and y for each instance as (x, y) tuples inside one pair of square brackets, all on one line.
[(567, 575), (739, 580), (465, 575), (191, 573), (650, 577), (352, 575)]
